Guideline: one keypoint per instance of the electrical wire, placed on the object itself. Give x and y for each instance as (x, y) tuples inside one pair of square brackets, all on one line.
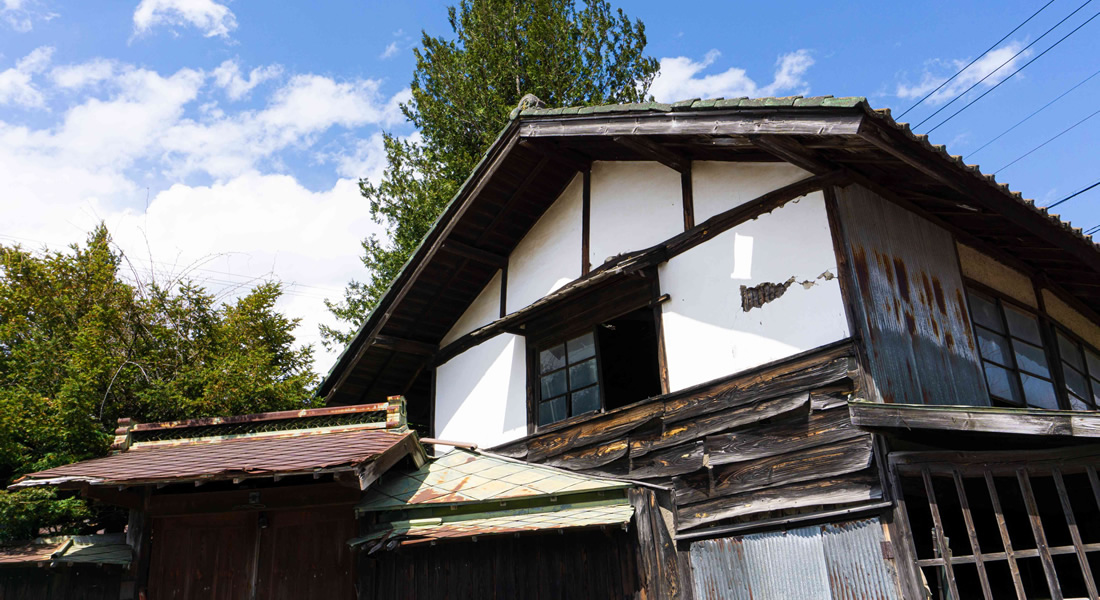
[(1074, 194), (988, 50), (1063, 132), (1001, 66), (998, 84), (1025, 119)]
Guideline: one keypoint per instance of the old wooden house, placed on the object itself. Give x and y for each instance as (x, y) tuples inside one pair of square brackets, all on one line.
[(749, 348)]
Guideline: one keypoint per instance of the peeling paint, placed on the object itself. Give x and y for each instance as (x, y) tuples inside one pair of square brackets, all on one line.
[(761, 294)]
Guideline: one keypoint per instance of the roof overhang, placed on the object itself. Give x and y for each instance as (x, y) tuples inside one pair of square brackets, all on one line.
[(541, 150)]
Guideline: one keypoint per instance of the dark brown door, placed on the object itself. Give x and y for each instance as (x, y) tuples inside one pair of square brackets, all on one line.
[(274, 555), (203, 556)]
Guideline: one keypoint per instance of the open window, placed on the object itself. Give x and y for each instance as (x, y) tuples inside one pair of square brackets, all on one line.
[(595, 353)]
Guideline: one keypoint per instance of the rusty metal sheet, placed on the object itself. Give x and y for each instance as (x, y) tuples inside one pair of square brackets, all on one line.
[(287, 453), (100, 549), (838, 561), (542, 518), (470, 476), (853, 556), (911, 302), (39, 551)]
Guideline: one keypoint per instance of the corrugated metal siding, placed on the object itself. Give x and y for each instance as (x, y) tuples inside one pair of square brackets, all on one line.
[(911, 304), (853, 556), (842, 562)]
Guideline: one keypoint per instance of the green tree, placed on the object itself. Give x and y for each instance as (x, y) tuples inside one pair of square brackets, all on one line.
[(80, 347), (462, 92)]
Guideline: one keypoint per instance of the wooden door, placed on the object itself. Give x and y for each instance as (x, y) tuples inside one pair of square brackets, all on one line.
[(304, 554), (203, 556)]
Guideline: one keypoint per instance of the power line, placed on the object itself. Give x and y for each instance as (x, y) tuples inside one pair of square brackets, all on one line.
[(1092, 230), (990, 74), (988, 50), (1063, 132), (1052, 46), (1074, 195), (1022, 121)]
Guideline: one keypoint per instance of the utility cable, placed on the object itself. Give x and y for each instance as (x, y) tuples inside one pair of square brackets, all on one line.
[(990, 74), (1025, 119), (988, 50), (1073, 195), (1063, 132), (983, 95), (1092, 230)]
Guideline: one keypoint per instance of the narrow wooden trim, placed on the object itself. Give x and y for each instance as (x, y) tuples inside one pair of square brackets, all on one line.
[(1074, 533), (688, 196), (941, 542), (1095, 482), (532, 387), (504, 290), (655, 151), (658, 324), (1040, 535), (586, 220), (998, 514), (971, 532), (904, 541)]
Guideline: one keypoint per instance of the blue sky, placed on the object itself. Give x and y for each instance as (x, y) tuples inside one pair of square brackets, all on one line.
[(222, 140)]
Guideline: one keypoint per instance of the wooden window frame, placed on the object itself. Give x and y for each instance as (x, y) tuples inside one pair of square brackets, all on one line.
[(1048, 330), (536, 372)]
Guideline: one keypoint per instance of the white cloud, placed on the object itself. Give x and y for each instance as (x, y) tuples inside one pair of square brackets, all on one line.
[(119, 130), (390, 51), (228, 77), (211, 18), (679, 78), (20, 15), (983, 67), (16, 86)]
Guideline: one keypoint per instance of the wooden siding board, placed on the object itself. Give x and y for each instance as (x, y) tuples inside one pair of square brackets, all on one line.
[(910, 301)]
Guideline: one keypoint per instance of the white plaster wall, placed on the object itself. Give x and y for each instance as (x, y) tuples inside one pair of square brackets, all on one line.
[(634, 206), (708, 335), (719, 186), (481, 394), (483, 310), (549, 256)]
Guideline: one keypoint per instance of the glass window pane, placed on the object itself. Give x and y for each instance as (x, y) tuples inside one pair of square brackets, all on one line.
[(1078, 404), (1003, 384), (581, 348), (552, 359), (586, 400), (1039, 392), (994, 346), (1070, 352), (1030, 358), (552, 411), (1075, 382), (986, 313), (583, 374), (1093, 361), (1023, 325), (553, 385), (1095, 392)]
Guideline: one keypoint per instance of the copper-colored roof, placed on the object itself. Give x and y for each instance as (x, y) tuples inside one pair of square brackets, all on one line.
[(100, 549), (33, 552), (263, 455)]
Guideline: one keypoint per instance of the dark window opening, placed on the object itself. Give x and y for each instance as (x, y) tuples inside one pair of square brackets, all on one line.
[(1015, 361), (1080, 371), (612, 364), (998, 506)]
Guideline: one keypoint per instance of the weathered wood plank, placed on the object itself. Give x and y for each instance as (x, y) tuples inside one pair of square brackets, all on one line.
[(657, 551), (590, 457), (972, 534), (1075, 534), (840, 490), (1040, 536), (1002, 526), (764, 385), (709, 123), (668, 462), (997, 462), (830, 460), (779, 438), (727, 419), (592, 432), (989, 420), (942, 547)]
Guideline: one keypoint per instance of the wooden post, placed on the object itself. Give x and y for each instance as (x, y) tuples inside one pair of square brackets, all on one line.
[(975, 548), (395, 413), (995, 498), (1040, 536), (1075, 533), (940, 541)]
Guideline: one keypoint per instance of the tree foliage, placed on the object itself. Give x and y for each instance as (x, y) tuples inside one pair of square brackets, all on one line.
[(462, 92), (80, 347)]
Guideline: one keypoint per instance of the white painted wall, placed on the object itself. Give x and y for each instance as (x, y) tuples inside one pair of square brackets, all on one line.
[(484, 310), (708, 335), (549, 256), (719, 186), (634, 206), (481, 394)]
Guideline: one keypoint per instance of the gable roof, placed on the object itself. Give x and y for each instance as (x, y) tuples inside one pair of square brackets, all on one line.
[(541, 149)]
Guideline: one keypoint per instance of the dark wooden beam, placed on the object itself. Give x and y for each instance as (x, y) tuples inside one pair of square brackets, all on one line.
[(405, 346), (655, 151), (717, 123), (976, 419), (787, 148), (688, 198), (477, 254), (586, 221), (555, 152)]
